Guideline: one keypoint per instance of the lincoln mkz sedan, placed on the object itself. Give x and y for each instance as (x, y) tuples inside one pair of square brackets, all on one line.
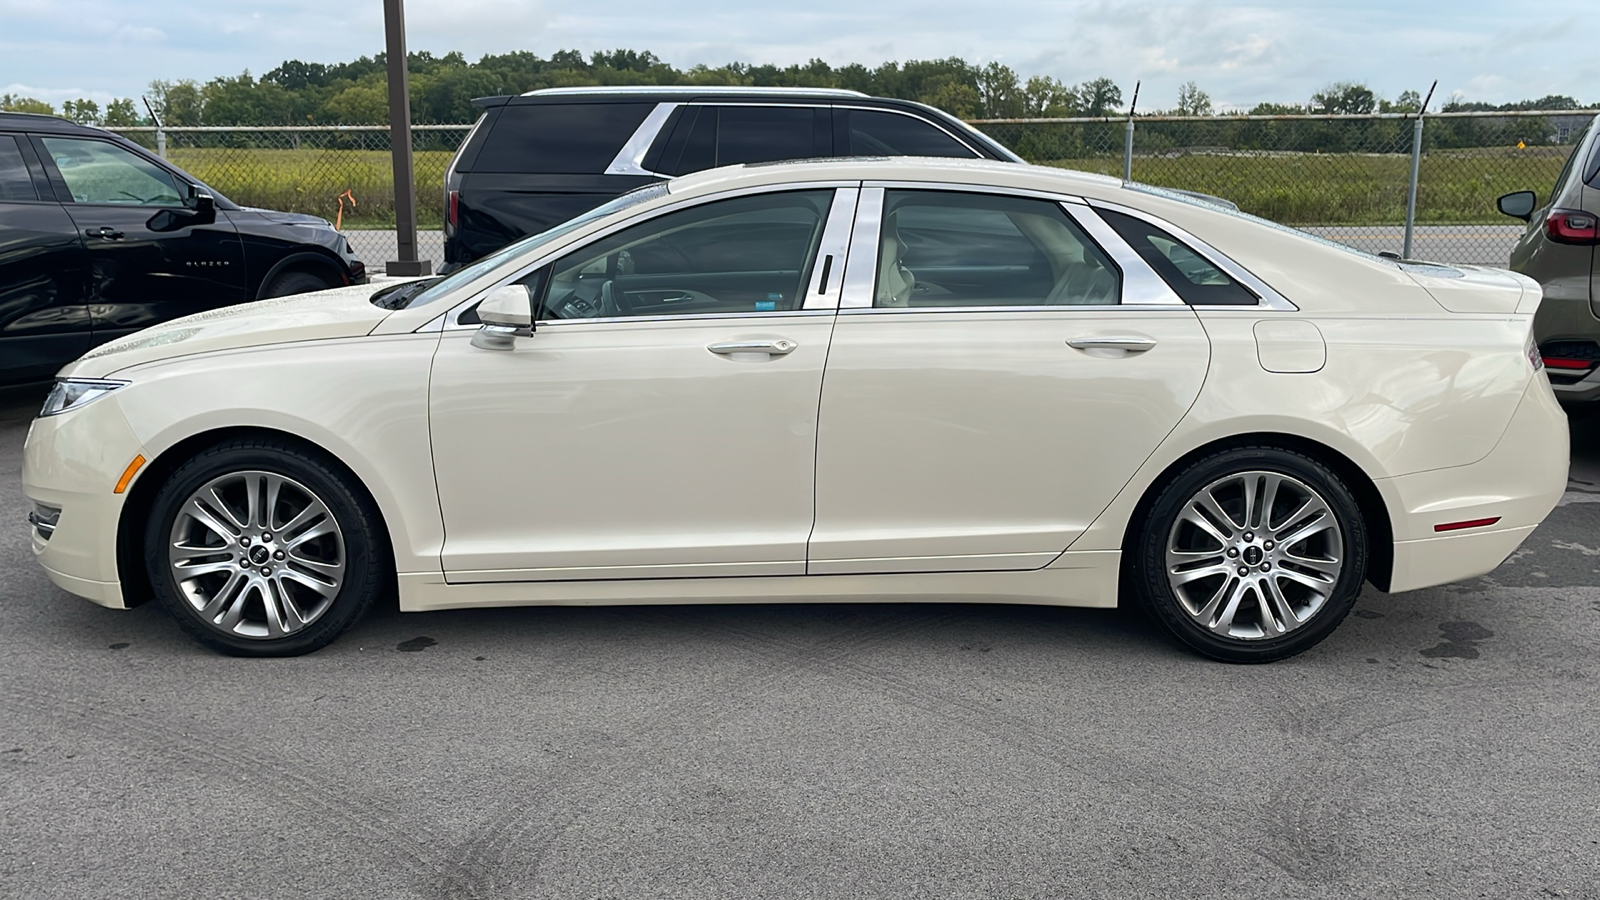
[(860, 379)]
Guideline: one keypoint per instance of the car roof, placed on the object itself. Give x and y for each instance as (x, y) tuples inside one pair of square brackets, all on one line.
[(12, 121), (986, 172), (695, 91)]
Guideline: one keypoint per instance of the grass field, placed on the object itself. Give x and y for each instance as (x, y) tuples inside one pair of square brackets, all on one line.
[(1457, 187)]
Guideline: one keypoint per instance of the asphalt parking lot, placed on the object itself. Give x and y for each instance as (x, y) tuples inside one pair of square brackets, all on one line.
[(1441, 743)]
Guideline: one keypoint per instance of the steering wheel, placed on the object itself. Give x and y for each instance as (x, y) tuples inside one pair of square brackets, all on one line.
[(611, 302)]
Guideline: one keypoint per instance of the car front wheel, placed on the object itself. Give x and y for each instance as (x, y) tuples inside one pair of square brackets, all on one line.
[(1251, 554), (259, 548)]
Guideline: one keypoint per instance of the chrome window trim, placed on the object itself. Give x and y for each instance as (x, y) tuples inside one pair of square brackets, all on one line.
[(1268, 298), (709, 90), (861, 267), (835, 244), (1141, 286), (630, 159), (450, 321), (1053, 308)]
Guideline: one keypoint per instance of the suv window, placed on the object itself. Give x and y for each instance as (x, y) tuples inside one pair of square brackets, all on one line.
[(1190, 276), (948, 249), (875, 133), (559, 139), (15, 183), (100, 172), (714, 136), (747, 254)]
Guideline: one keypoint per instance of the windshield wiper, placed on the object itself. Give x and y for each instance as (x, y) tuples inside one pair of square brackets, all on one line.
[(400, 296)]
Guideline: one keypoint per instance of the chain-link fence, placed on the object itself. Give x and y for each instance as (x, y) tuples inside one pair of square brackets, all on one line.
[(1347, 178)]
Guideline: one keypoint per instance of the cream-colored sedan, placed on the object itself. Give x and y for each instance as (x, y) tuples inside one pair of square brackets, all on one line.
[(917, 380)]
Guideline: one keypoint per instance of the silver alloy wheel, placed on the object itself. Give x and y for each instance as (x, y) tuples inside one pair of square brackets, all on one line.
[(1254, 555), (256, 554)]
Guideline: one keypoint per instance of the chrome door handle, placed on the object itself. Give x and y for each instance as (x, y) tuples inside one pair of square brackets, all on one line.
[(772, 348), (1133, 343)]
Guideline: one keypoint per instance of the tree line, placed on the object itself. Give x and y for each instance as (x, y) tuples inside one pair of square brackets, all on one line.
[(442, 89)]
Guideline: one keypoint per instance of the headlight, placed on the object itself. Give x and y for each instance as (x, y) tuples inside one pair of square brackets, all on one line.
[(71, 393)]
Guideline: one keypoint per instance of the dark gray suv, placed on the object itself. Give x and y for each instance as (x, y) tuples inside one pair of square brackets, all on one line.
[(1559, 251), (539, 159)]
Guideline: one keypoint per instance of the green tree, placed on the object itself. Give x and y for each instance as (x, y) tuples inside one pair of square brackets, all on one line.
[(177, 102), (84, 112), (13, 103), (1192, 101), (1045, 96), (1099, 97), (121, 113), (1344, 97), (999, 92)]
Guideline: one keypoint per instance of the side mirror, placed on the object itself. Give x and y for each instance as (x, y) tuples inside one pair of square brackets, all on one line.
[(199, 208), (1519, 205), (506, 314)]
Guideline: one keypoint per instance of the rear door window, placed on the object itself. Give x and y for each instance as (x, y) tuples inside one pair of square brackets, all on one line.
[(874, 133), (15, 183), (711, 136), (1191, 276), (559, 139)]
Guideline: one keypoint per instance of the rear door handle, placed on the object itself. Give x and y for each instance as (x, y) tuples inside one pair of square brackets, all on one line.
[(1132, 343), (770, 348), (104, 231)]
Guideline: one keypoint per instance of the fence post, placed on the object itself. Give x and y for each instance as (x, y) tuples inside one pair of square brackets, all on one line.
[(1127, 151), (161, 141), (1411, 196)]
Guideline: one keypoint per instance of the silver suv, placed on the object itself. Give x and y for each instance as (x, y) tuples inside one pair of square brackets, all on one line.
[(1559, 251)]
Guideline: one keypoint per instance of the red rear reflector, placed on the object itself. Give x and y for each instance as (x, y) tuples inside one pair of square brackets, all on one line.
[(1556, 362), (1470, 523), (453, 214), (1571, 226)]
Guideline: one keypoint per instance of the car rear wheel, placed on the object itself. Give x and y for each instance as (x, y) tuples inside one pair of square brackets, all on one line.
[(258, 548), (1252, 554)]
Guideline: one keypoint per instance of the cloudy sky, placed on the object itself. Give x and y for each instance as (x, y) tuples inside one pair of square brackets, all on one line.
[(1240, 53)]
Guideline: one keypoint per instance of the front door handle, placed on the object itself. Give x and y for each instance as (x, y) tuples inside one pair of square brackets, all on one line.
[(104, 231), (771, 348), (1132, 343)]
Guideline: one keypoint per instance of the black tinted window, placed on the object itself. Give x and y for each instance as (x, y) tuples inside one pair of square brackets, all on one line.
[(1189, 275), (712, 136), (892, 134), (559, 139), (14, 181)]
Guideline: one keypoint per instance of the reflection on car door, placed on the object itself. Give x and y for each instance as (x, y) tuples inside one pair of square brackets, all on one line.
[(148, 263), (661, 420), (991, 390), (43, 319)]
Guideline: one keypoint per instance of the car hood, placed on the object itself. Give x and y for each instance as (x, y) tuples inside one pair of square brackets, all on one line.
[(340, 313), (287, 218)]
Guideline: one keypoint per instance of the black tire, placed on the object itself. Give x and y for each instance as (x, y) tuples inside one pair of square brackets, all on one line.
[(358, 546), (1224, 475), (297, 282)]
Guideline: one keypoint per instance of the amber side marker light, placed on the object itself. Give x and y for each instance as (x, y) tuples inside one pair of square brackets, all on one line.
[(127, 475), (1470, 523)]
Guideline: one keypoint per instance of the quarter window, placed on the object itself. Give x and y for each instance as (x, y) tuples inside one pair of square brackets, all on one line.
[(15, 183), (745, 255), (559, 138), (1190, 275), (891, 134), (946, 249), (100, 172)]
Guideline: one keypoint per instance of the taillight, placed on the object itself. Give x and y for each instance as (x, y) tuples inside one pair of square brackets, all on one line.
[(1556, 362), (452, 212), (1571, 226)]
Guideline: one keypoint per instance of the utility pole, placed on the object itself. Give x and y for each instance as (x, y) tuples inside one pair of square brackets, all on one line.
[(405, 190)]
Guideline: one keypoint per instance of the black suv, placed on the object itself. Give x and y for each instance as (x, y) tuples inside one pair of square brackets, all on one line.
[(100, 238), (539, 159)]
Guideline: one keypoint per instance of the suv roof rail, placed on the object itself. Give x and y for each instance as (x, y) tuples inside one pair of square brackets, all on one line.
[(693, 89)]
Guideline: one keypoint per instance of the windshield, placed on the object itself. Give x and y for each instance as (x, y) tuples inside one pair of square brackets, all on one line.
[(441, 287)]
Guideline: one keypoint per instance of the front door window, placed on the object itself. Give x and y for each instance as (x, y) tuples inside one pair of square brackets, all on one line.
[(100, 172)]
